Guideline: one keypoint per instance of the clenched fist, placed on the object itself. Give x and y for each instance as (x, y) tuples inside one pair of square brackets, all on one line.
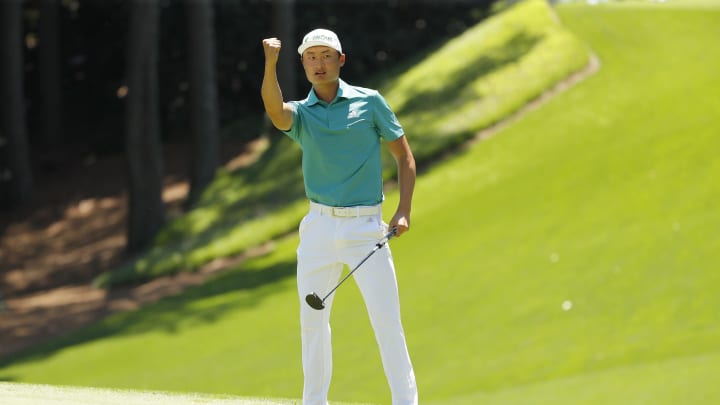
[(271, 46)]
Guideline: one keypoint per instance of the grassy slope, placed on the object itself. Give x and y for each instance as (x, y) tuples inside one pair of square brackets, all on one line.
[(606, 198), (477, 76)]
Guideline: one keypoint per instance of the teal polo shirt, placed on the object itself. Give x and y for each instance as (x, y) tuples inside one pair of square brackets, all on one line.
[(340, 141)]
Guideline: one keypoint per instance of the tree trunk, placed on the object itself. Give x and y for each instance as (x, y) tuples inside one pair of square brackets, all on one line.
[(146, 211), (49, 66), (289, 61), (204, 155), (16, 181), (283, 26)]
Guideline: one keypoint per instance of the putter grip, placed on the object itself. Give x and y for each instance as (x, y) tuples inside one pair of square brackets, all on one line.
[(387, 237)]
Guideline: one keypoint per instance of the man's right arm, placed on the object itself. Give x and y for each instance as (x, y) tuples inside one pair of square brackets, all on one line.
[(280, 113)]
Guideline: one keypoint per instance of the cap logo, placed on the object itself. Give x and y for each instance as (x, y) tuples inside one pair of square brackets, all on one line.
[(320, 37)]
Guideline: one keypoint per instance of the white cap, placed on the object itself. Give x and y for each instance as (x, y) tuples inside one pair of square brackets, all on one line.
[(320, 37)]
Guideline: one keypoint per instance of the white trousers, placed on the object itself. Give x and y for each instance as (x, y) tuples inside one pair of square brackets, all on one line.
[(327, 243)]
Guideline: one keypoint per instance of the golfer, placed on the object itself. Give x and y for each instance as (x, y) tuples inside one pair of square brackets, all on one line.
[(340, 128)]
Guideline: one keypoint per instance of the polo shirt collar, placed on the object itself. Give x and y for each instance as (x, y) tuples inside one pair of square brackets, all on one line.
[(344, 91)]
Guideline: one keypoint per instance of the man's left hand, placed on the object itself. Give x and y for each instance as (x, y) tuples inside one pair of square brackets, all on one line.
[(401, 221)]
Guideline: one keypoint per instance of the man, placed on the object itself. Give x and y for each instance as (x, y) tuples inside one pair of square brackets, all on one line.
[(339, 128)]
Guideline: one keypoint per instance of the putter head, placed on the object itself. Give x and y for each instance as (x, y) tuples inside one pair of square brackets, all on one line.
[(314, 301)]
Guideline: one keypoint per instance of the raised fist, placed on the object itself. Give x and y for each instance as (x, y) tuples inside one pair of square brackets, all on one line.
[(271, 46)]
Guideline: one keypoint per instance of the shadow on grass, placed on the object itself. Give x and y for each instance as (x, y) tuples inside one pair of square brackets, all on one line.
[(271, 182), (427, 106), (240, 288), (232, 201), (422, 101)]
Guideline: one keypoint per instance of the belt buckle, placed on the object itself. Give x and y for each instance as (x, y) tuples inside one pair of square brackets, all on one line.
[(339, 211)]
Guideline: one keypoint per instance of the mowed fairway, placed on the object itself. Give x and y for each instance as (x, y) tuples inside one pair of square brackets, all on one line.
[(572, 258)]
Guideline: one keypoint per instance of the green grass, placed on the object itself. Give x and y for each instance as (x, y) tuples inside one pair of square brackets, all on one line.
[(605, 198), (495, 67), (480, 77), (673, 381)]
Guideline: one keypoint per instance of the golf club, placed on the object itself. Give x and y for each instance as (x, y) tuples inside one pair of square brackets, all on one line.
[(314, 300)]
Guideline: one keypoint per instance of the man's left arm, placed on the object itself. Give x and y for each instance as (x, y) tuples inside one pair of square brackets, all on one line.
[(400, 149)]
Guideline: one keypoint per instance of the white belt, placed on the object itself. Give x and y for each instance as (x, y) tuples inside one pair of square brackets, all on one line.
[(359, 211)]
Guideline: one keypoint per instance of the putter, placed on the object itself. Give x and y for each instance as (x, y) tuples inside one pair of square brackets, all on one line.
[(317, 303)]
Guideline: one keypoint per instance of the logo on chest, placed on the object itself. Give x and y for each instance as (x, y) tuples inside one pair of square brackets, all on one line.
[(357, 110)]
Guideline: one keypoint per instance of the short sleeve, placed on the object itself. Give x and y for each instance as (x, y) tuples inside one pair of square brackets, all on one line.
[(388, 126), (294, 131)]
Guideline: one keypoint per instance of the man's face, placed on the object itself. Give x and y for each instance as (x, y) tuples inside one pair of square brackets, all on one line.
[(322, 64)]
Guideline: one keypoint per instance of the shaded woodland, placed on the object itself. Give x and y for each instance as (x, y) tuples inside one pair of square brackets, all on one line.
[(81, 79)]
